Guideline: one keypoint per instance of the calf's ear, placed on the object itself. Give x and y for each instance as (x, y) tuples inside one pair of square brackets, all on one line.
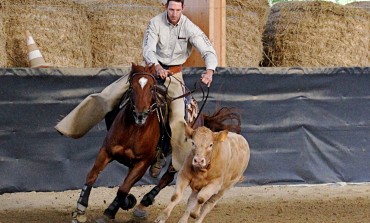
[(188, 131), (220, 136)]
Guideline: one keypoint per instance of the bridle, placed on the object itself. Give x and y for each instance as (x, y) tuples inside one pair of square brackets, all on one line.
[(162, 99), (158, 92)]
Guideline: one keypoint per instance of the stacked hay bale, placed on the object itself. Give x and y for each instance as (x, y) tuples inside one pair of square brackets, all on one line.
[(315, 34), (245, 21), (2, 36), (59, 27), (363, 5), (118, 28)]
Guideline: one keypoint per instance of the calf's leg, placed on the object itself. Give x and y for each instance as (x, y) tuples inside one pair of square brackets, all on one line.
[(181, 184), (190, 206), (204, 194), (208, 206)]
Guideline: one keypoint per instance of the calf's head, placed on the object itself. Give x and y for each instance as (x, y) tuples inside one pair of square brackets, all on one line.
[(203, 141)]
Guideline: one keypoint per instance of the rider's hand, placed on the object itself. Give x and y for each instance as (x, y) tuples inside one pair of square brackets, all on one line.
[(207, 77), (163, 73)]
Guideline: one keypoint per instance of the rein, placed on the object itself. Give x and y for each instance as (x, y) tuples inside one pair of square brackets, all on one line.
[(156, 106), (204, 102), (204, 98)]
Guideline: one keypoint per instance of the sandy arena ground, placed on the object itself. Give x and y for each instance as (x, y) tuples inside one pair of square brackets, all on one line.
[(339, 203)]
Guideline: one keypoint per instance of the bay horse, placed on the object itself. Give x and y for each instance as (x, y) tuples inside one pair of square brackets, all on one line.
[(133, 138)]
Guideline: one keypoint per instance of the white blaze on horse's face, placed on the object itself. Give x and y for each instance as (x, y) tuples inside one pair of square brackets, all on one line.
[(142, 82)]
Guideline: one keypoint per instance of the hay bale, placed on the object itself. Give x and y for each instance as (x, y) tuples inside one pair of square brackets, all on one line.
[(245, 21), (117, 30), (2, 37), (316, 34), (362, 5), (59, 27), (365, 5)]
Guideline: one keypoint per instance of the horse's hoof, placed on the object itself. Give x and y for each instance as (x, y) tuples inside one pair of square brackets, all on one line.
[(138, 213), (79, 217), (131, 202)]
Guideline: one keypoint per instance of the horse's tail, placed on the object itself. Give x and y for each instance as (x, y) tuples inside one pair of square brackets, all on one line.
[(223, 119)]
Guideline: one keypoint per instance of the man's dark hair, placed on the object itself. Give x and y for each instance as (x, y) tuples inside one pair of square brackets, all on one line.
[(182, 1)]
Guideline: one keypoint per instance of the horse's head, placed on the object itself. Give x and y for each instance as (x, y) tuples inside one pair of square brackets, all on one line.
[(143, 92)]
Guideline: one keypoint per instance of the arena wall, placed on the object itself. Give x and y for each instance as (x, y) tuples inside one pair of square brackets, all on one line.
[(304, 125)]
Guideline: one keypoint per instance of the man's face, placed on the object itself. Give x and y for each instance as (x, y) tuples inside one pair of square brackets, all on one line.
[(174, 11)]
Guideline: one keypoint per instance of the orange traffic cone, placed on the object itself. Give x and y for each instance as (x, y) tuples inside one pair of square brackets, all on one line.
[(34, 55)]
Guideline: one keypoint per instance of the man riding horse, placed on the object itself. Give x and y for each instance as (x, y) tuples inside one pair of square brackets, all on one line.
[(167, 44)]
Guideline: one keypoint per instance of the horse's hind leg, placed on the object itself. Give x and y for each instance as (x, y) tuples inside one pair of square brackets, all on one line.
[(100, 163), (148, 199)]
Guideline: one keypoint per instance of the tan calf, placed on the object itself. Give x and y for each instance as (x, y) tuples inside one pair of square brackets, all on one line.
[(215, 164)]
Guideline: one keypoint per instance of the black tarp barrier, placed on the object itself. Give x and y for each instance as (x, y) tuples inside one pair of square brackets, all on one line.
[(304, 125)]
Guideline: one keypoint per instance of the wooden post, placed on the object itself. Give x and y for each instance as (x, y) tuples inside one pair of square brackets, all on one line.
[(210, 16)]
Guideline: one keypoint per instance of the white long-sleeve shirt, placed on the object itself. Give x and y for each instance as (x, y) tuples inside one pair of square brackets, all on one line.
[(172, 44)]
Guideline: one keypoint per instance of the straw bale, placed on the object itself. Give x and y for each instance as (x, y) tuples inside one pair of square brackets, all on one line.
[(245, 21), (316, 33), (2, 37), (59, 27), (363, 5), (118, 28)]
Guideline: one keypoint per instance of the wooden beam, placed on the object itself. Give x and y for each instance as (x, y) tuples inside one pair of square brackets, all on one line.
[(210, 16)]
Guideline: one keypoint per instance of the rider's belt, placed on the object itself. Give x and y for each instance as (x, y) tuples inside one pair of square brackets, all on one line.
[(173, 68)]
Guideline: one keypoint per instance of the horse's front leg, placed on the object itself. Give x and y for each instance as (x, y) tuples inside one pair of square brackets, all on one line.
[(148, 199), (100, 163), (123, 199)]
